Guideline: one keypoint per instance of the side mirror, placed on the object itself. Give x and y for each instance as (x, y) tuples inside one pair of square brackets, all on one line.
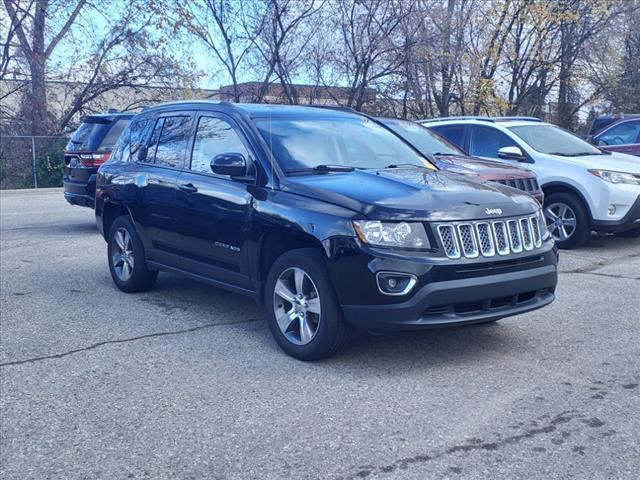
[(512, 153), (142, 153), (601, 143), (230, 164)]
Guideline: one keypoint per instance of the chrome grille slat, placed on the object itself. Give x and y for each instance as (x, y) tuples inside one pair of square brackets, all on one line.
[(500, 234), (488, 239), (527, 237), (515, 240), (449, 240), (535, 229), (468, 240), (485, 239)]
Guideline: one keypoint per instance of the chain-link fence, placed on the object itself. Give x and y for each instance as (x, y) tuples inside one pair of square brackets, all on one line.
[(31, 161)]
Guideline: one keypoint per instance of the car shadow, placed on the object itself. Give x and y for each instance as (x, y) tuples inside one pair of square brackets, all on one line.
[(375, 352)]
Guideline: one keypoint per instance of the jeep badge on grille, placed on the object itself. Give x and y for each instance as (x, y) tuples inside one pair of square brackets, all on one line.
[(493, 211)]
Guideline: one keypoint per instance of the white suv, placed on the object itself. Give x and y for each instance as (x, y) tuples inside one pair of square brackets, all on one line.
[(585, 188)]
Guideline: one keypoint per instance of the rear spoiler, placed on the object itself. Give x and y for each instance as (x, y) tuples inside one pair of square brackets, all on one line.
[(101, 119)]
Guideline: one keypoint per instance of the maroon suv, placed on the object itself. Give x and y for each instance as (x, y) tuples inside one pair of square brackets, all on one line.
[(449, 157), (617, 133)]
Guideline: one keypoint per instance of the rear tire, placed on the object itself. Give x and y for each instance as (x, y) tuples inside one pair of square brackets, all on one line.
[(126, 258), (303, 312), (567, 220)]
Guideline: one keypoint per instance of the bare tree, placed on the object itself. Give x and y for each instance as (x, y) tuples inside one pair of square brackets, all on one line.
[(229, 28), (30, 33), (372, 44), (127, 54)]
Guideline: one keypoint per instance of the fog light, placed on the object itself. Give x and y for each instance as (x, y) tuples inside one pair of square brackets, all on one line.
[(393, 283), (612, 210)]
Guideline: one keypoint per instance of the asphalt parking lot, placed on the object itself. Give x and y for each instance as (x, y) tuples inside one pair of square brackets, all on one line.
[(185, 381)]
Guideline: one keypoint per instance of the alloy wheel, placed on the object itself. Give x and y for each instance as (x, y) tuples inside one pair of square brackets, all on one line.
[(296, 304), (561, 221), (122, 256)]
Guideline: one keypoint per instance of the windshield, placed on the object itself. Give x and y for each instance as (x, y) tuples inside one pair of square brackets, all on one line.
[(305, 143), (554, 140), (424, 140)]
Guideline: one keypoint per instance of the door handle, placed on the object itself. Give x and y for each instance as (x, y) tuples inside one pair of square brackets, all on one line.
[(188, 187)]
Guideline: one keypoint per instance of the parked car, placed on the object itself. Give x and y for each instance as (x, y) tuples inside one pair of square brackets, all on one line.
[(617, 133), (585, 188), (90, 146), (325, 217), (453, 159)]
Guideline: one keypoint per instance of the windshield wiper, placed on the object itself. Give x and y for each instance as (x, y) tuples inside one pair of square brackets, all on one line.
[(441, 154), (323, 169), (399, 165)]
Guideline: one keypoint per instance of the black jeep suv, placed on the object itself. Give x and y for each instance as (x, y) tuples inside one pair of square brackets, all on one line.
[(90, 146), (324, 216)]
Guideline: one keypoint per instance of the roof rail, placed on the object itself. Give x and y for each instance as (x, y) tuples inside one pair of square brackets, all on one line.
[(514, 119), (462, 117), (333, 107)]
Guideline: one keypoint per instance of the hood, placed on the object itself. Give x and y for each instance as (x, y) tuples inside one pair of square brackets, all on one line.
[(485, 169), (619, 162), (412, 194)]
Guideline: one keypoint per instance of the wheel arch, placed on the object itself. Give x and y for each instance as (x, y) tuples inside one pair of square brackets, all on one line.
[(276, 242), (560, 187), (110, 212)]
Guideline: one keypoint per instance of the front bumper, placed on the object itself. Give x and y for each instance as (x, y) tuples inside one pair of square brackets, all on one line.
[(630, 221), (447, 292), (464, 301)]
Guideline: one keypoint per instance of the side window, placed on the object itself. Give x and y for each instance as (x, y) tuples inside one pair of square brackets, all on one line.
[(621, 134), (120, 152), (213, 137), (153, 141), (137, 131), (486, 141), (453, 133), (173, 140)]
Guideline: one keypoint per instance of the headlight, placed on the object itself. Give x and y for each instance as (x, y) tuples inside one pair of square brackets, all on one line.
[(544, 231), (616, 177), (386, 234)]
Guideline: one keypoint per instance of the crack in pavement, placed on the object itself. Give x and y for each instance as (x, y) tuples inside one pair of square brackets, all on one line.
[(476, 444), (123, 340)]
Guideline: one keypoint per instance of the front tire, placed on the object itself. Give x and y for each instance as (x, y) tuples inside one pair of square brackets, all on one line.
[(567, 220), (303, 312), (126, 258)]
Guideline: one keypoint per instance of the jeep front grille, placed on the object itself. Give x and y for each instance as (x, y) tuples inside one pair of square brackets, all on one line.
[(499, 237), (528, 185)]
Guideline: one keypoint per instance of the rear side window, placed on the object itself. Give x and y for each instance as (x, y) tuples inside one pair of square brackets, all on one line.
[(486, 141), (213, 137), (172, 143), (453, 133)]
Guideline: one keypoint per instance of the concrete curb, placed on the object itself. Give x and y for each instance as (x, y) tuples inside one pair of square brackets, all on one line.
[(34, 191)]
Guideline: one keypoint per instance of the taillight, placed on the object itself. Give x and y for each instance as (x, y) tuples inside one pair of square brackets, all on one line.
[(94, 159)]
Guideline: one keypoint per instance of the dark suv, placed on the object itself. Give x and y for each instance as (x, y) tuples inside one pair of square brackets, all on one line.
[(325, 217), (90, 146)]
